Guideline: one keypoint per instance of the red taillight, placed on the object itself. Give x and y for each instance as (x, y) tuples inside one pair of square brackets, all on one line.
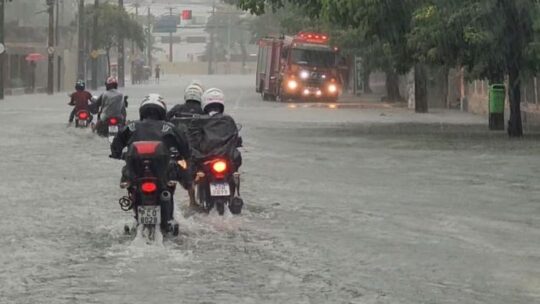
[(219, 166), (113, 121), (146, 147), (83, 116), (148, 187)]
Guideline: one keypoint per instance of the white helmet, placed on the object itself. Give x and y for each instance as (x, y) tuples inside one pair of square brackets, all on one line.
[(197, 83), (153, 104), (193, 92), (211, 97)]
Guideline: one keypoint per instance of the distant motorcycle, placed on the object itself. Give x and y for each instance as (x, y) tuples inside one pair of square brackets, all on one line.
[(112, 126), (150, 192), (216, 186), (82, 119)]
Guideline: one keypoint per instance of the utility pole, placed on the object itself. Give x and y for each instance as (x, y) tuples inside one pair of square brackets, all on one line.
[(94, 54), (149, 37), (2, 49), (136, 4), (80, 70), (170, 40), (136, 20), (228, 43), (121, 54), (211, 51), (50, 49), (57, 23), (57, 45)]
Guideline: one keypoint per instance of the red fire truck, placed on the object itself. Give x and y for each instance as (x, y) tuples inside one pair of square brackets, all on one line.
[(301, 67)]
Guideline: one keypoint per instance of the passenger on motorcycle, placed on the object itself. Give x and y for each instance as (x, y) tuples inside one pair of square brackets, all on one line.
[(153, 127), (192, 103), (110, 104), (213, 104), (81, 100)]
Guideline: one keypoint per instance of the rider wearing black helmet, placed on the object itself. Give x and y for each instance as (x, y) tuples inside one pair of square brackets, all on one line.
[(81, 99)]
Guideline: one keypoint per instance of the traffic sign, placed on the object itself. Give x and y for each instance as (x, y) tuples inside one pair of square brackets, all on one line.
[(94, 54), (2, 48), (166, 24), (50, 50)]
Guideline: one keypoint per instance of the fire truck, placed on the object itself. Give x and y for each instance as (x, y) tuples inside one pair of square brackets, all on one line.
[(301, 67)]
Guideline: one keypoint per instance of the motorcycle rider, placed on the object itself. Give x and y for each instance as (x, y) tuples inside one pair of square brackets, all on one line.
[(152, 126), (110, 104), (192, 103), (81, 100), (213, 104)]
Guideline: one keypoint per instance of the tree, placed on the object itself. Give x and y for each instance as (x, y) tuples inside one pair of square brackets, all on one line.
[(491, 38), (113, 23)]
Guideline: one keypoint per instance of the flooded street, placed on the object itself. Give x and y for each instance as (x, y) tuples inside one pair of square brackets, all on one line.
[(342, 206)]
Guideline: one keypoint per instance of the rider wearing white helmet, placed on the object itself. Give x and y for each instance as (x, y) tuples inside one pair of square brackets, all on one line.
[(213, 102), (192, 103), (152, 126)]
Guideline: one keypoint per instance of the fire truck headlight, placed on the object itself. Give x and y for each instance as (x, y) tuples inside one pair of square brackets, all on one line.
[(332, 88), (304, 74), (292, 84)]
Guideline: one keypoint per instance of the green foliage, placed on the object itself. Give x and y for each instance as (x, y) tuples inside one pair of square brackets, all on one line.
[(229, 24), (114, 23)]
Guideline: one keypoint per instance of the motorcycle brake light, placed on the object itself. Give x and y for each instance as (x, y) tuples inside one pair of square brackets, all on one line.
[(113, 121), (219, 166), (146, 147), (83, 115), (148, 187)]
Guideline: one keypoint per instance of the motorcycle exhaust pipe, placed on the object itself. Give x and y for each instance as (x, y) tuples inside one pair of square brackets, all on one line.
[(166, 196)]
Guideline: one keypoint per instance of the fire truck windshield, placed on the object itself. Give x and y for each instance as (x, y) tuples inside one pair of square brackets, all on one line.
[(313, 57)]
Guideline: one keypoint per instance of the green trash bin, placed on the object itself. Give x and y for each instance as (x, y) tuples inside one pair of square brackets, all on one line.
[(497, 96)]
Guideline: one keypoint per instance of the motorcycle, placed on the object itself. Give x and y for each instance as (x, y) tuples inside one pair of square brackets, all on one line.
[(216, 186), (82, 119), (111, 126), (150, 192)]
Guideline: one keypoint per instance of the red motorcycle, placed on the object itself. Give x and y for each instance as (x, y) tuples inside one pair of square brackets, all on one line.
[(82, 119)]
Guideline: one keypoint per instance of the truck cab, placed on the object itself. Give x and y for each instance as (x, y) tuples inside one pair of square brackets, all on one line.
[(303, 67)]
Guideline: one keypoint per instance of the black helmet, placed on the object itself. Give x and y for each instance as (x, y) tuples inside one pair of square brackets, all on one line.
[(80, 85), (153, 106)]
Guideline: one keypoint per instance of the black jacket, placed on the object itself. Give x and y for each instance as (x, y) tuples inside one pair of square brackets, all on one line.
[(190, 108), (148, 130)]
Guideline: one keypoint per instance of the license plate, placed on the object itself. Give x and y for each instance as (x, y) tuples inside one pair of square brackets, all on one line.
[(149, 215), (113, 129), (220, 189), (82, 123)]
